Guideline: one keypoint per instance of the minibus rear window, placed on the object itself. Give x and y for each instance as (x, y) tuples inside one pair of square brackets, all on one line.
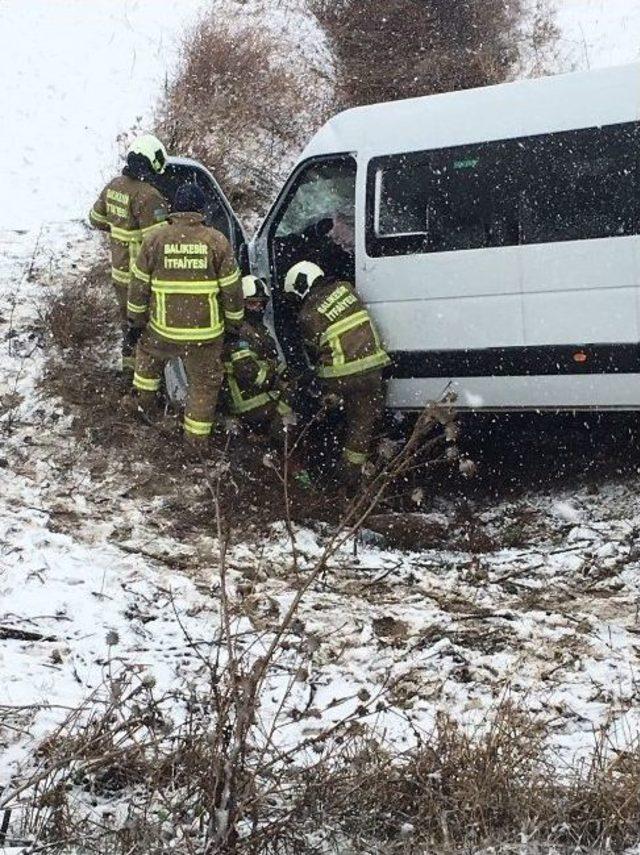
[(568, 186), (176, 174)]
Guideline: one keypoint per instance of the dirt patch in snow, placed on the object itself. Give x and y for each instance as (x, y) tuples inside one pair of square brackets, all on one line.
[(80, 371)]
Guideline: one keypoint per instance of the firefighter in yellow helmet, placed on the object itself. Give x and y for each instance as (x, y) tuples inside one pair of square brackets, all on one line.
[(129, 208), (344, 348), (185, 292)]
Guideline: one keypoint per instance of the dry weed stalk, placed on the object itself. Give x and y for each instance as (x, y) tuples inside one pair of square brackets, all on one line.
[(247, 684), (10, 401)]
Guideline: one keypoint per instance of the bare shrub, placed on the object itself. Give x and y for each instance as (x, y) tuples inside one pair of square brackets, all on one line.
[(82, 311), (408, 48), (137, 770), (242, 101), (248, 94)]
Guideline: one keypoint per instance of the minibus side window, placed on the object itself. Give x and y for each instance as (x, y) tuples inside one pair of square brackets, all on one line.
[(320, 194), (473, 198), (566, 186), (458, 198), (402, 206), (583, 184)]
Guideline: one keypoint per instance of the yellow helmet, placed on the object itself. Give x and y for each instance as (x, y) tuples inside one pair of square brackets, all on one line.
[(301, 278), (149, 146)]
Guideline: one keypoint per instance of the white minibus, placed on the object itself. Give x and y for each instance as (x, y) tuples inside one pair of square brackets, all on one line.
[(496, 239)]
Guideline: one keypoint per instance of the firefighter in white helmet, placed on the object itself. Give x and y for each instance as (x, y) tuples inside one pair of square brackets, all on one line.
[(344, 348), (130, 208), (254, 390)]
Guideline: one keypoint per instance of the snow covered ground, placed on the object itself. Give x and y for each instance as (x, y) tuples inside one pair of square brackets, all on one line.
[(599, 33), (552, 621), (89, 580), (75, 76)]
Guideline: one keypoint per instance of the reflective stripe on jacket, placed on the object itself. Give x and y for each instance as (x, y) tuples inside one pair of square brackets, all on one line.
[(339, 333), (252, 370), (185, 282), (129, 210)]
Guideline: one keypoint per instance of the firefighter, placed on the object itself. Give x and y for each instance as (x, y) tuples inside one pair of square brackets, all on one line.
[(185, 291), (344, 348), (254, 388), (130, 208)]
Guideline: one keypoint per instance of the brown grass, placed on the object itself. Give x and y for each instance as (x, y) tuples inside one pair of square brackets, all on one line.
[(83, 312), (410, 48), (461, 790), (243, 101), (458, 790)]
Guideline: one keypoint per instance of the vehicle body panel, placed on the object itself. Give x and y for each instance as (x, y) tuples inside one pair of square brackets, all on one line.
[(527, 299), (547, 326)]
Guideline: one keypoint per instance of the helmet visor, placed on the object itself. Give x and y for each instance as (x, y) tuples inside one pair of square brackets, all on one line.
[(159, 161)]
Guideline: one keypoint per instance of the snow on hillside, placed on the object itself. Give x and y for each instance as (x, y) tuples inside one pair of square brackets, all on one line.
[(599, 33), (76, 75)]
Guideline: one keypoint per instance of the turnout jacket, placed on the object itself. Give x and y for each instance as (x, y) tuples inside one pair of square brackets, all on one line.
[(338, 332), (129, 209), (252, 369), (185, 282)]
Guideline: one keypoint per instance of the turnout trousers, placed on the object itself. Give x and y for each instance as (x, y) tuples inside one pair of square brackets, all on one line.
[(128, 342), (361, 400), (204, 369)]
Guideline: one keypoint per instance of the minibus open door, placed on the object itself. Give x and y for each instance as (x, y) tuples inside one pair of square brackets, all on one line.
[(218, 210), (300, 227)]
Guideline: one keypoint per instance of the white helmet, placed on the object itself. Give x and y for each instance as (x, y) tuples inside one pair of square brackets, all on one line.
[(254, 288), (301, 278), (150, 147)]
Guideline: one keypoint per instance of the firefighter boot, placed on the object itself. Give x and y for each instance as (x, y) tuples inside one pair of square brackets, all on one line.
[(130, 337), (141, 405), (195, 448)]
